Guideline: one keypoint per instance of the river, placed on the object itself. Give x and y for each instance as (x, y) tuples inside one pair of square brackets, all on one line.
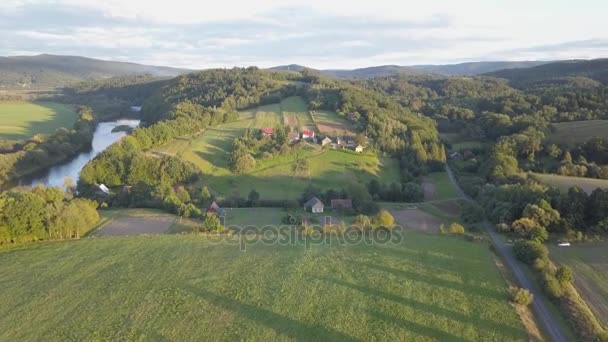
[(102, 139)]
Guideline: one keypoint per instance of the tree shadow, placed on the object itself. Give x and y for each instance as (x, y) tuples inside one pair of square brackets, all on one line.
[(496, 327), (419, 329), (40, 126), (291, 328)]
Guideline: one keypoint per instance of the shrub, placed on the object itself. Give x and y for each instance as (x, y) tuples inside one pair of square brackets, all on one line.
[(522, 297), (211, 223), (564, 275), (552, 286), (456, 228), (529, 251), (384, 219)]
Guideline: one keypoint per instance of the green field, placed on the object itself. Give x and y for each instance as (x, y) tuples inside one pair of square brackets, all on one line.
[(590, 266), (576, 132), (565, 182), (186, 287), (22, 120), (330, 123), (437, 186), (273, 178), (295, 113)]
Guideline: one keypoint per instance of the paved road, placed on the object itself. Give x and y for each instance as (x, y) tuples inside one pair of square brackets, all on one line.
[(540, 305)]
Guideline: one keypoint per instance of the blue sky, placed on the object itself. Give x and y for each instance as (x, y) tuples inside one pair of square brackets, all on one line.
[(316, 33)]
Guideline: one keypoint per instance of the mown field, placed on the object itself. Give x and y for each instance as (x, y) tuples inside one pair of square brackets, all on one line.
[(273, 178), (565, 182), (576, 132), (188, 287), (22, 120), (437, 186), (590, 266)]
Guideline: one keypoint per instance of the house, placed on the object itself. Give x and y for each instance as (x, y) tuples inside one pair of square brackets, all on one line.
[(314, 205), (267, 131), (326, 141), (307, 134), (342, 203), (468, 154), (104, 189), (293, 136), (214, 208), (456, 155), (359, 149)]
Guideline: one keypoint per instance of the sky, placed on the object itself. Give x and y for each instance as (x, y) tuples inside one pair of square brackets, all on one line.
[(325, 34)]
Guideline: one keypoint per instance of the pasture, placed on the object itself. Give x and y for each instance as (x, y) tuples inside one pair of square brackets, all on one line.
[(185, 287), (437, 186), (575, 132), (295, 113), (590, 266), (564, 183), (22, 120)]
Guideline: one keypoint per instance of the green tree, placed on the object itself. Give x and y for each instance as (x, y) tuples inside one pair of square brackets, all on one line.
[(564, 275), (211, 223), (254, 198)]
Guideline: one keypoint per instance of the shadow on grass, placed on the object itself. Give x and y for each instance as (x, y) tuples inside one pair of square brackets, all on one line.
[(480, 323), (44, 126), (416, 328), (293, 329)]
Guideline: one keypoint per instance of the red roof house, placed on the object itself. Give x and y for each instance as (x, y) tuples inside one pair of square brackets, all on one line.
[(308, 134), (267, 131)]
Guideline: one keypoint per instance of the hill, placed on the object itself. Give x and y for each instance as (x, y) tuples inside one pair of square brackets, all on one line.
[(51, 71), (596, 69), (475, 68)]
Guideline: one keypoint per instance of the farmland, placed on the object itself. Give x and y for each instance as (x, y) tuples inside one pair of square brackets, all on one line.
[(590, 267), (330, 123), (437, 186), (273, 178), (22, 120), (176, 287), (565, 182), (578, 131)]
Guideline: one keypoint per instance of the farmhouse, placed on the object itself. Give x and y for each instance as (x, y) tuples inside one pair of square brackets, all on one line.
[(214, 208), (341, 203), (326, 141), (306, 134), (267, 131), (359, 149), (314, 205)]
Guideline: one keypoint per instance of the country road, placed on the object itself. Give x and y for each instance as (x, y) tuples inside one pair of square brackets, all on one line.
[(552, 328)]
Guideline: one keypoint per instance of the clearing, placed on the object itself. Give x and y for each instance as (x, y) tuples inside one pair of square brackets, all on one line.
[(564, 183), (22, 120), (590, 266), (576, 132), (174, 287)]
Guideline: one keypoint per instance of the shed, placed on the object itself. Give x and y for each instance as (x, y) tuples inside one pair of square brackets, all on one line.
[(214, 208), (314, 205), (326, 141), (359, 149)]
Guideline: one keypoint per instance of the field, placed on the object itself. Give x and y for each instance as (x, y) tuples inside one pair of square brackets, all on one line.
[(22, 120), (590, 266), (134, 222), (578, 131), (437, 186), (330, 123), (564, 182), (273, 178), (295, 113), (188, 287)]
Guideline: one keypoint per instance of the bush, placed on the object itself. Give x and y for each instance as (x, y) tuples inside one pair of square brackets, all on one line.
[(456, 228), (384, 219), (564, 275), (552, 286), (529, 251), (522, 297)]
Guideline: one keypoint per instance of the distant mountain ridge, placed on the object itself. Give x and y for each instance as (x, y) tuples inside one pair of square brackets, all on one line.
[(462, 69), (50, 71), (595, 69)]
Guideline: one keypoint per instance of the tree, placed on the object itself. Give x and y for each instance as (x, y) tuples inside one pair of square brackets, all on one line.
[(522, 297), (211, 223), (564, 275), (205, 194), (254, 198), (244, 163), (384, 219), (529, 251)]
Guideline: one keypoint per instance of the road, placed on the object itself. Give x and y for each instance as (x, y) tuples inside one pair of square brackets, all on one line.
[(551, 327)]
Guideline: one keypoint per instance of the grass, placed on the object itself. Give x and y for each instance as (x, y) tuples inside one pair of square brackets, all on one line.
[(295, 113), (443, 187), (329, 122), (576, 132), (273, 178), (565, 182), (590, 267), (174, 287), (21, 120), (468, 145)]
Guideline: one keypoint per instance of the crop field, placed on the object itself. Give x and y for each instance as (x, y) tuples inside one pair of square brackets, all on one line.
[(578, 131), (295, 113), (332, 124), (21, 120), (273, 178), (190, 287), (590, 266), (565, 182)]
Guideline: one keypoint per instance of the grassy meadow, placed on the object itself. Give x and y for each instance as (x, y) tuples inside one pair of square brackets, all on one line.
[(188, 287), (565, 182), (590, 266), (295, 113), (273, 178), (22, 120), (576, 132), (439, 187)]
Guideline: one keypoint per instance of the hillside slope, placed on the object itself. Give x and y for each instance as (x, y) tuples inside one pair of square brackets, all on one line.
[(50, 71), (596, 69), (475, 68)]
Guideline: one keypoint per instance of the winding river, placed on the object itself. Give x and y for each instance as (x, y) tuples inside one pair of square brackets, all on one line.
[(102, 139)]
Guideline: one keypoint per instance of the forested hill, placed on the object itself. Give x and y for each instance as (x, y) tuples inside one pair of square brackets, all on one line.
[(51, 71), (475, 68), (596, 69)]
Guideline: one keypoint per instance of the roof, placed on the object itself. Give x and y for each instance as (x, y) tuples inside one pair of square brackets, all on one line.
[(307, 132), (267, 130), (327, 139), (215, 208), (359, 147), (313, 202)]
